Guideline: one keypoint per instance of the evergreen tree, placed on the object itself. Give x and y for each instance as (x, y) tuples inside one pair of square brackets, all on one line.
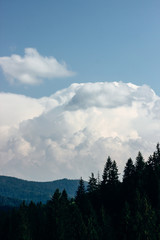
[(92, 184), (23, 231), (154, 161), (64, 198), (113, 173), (139, 173), (80, 194), (143, 221), (157, 158), (128, 181), (107, 171), (78, 227), (140, 164), (81, 198), (53, 216), (110, 173), (64, 221), (56, 197), (92, 229), (128, 170), (106, 225)]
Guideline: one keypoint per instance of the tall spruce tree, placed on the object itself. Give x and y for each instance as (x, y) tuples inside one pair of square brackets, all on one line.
[(80, 191), (92, 184), (140, 164), (139, 172), (128, 170), (110, 173), (107, 171), (129, 181), (114, 173), (154, 161), (143, 221)]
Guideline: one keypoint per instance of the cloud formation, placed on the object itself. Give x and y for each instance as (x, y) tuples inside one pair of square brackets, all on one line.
[(71, 133), (33, 68)]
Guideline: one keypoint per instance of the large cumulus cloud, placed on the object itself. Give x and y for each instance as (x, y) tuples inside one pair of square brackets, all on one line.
[(72, 132)]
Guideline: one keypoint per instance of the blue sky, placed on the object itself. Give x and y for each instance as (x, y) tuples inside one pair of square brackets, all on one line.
[(99, 40), (79, 80)]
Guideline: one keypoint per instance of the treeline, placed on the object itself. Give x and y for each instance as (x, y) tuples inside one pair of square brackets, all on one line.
[(108, 209)]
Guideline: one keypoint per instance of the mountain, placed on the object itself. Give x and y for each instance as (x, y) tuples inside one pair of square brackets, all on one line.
[(9, 202), (14, 188)]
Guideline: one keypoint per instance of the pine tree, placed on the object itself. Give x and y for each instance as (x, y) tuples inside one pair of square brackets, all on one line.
[(126, 222), (129, 169), (56, 197), (106, 225), (110, 173), (152, 180), (81, 191), (154, 161), (92, 229), (140, 164), (53, 216), (157, 157), (78, 227), (139, 172), (129, 183), (92, 184), (114, 173), (143, 224), (107, 171)]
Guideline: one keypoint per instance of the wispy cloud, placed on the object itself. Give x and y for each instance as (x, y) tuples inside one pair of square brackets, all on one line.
[(32, 68), (71, 133)]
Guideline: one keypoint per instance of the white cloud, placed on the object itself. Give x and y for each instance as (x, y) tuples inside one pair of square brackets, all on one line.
[(71, 133), (16, 108), (32, 68)]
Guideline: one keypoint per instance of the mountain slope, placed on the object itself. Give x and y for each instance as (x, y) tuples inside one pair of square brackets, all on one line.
[(9, 202), (15, 188)]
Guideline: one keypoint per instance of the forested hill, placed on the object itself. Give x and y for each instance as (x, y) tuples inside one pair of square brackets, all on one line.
[(15, 188), (6, 202), (108, 210)]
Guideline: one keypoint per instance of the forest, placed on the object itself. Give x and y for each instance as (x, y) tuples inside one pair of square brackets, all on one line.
[(108, 209)]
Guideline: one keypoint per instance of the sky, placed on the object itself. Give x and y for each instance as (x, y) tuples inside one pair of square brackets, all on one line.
[(79, 80)]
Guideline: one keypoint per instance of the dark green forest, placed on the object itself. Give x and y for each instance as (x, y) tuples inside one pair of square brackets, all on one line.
[(14, 190), (108, 209)]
